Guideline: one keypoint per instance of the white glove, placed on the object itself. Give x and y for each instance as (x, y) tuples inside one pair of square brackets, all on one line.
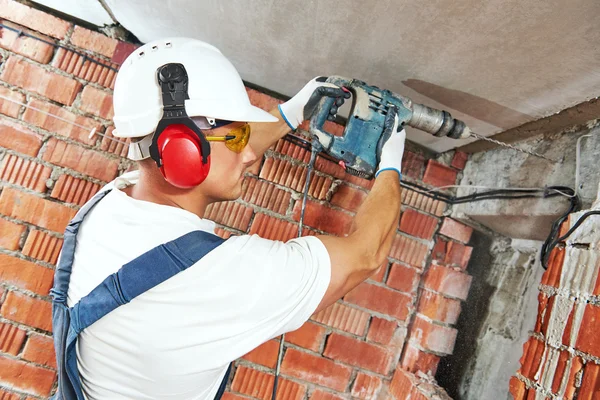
[(302, 106), (393, 145)]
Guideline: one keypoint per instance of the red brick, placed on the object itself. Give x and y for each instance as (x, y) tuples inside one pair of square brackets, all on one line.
[(259, 385), (7, 107), (293, 176), (438, 307), (323, 395), (88, 162), (11, 339), (111, 144), (381, 299), (404, 386), (343, 317), (517, 388), (40, 349), (272, 228), (366, 387), (433, 337), (221, 232), (324, 218), (413, 165), (590, 385), (409, 251), (552, 274), (287, 148), (570, 365), (451, 253), (533, 349), (74, 190), (75, 64), (31, 77), (439, 175), (93, 41), (355, 180), (459, 160), (4, 395), (403, 278), (27, 310), (429, 205), (447, 281), (587, 341), (60, 126), (348, 197), (455, 230), (358, 353), (566, 338), (233, 396), (231, 214), (34, 19), (310, 336), (330, 168), (17, 137), (23, 376), (122, 51), (29, 47), (25, 274), (97, 102), (381, 330), (26, 173), (263, 100), (10, 234), (266, 195), (415, 360), (315, 369), (35, 210), (265, 354), (542, 314), (42, 246), (418, 224)]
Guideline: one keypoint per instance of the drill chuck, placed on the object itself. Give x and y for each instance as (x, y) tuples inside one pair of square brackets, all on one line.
[(438, 123)]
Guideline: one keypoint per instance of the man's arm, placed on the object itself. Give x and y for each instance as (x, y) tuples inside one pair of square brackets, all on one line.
[(265, 134), (356, 257)]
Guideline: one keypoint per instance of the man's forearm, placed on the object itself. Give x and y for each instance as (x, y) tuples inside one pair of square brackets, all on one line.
[(265, 134), (375, 222)]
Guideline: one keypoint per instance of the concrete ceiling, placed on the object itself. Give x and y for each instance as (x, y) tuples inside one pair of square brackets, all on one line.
[(496, 64)]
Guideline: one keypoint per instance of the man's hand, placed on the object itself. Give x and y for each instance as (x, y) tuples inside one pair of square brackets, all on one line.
[(304, 104), (391, 144)]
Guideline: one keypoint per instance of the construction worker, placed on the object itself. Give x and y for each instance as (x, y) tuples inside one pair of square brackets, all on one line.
[(148, 303)]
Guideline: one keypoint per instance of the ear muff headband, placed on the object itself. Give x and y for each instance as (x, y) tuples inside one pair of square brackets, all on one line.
[(178, 147)]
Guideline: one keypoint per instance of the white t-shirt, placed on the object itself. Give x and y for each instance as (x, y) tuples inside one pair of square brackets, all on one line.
[(176, 340)]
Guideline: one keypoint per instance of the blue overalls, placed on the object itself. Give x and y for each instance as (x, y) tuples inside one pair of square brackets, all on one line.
[(134, 278)]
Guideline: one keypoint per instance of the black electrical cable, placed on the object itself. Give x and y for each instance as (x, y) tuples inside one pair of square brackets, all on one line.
[(494, 194)]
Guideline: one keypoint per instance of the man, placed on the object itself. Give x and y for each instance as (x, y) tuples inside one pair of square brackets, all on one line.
[(176, 340)]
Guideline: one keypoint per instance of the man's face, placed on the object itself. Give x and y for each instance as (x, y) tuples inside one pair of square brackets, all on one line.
[(224, 181)]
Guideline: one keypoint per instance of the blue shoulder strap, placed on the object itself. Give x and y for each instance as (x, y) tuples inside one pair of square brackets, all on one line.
[(141, 274)]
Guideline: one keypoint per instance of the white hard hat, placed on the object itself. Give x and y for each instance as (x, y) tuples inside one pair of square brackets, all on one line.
[(215, 87)]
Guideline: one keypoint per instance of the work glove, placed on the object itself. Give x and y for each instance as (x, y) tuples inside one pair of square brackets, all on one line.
[(390, 147), (304, 104)]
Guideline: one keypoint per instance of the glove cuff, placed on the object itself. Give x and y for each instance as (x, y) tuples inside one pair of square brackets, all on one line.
[(285, 118), (389, 169)]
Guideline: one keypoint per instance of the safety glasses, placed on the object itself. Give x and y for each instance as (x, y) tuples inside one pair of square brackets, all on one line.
[(235, 140)]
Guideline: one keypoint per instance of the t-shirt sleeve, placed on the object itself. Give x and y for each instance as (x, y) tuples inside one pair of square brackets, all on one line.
[(278, 285)]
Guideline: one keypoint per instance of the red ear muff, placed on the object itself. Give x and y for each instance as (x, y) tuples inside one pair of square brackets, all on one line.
[(180, 152), (178, 147)]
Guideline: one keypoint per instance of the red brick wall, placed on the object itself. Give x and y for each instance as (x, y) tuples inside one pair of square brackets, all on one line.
[(401, 317), (562, 356)]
